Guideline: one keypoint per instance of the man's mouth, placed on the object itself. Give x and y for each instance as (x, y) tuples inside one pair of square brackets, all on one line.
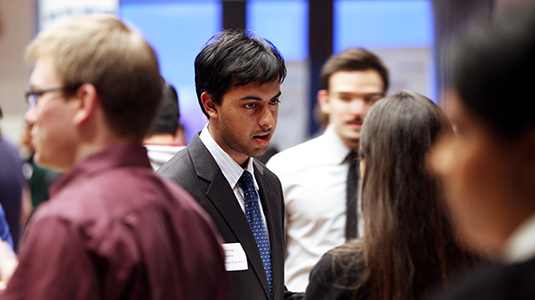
[(355, 123), (262, 137)]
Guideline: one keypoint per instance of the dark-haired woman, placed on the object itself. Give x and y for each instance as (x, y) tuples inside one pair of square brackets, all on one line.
[(408, 246)]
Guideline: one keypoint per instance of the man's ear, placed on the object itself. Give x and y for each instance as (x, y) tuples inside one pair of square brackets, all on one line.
[(87, 97), (323, 100), (209, 105), (530, 140), (525, 156)]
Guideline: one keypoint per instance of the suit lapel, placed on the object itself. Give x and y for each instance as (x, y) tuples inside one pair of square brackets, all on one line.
[(269, 209), (222, 197), (265, 188)]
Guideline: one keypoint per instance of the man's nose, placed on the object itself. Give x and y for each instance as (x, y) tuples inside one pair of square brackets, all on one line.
[(29, 117), (356, 106), (268, 118)]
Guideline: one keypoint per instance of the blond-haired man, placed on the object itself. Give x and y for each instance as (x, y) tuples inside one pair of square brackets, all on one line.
[(111, 229)]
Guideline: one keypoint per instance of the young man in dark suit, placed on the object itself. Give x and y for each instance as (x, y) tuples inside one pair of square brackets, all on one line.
[(238, 77)]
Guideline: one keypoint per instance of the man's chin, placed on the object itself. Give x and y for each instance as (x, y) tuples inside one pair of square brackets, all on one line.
[(352, 141), (349, 132), (42, 162), (259, 151)]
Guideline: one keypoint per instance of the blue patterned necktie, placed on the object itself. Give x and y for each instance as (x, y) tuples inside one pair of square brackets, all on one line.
[(254, 217)]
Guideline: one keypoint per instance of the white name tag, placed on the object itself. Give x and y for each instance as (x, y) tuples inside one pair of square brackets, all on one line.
[(235, 260)]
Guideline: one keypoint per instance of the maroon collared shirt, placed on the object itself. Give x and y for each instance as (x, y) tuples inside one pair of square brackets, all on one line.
[(112, 229)]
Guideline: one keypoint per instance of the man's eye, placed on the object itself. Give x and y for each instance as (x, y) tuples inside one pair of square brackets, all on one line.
[(372, 99), (250, 105), (274, 102)]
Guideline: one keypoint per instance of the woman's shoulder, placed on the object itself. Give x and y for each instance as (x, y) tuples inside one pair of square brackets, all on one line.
[(339, 274), (347, 260)]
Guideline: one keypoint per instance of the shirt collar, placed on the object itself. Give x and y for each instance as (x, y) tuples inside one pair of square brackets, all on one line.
[(339, 149), (521, 244), (229, 167), (119, 155)]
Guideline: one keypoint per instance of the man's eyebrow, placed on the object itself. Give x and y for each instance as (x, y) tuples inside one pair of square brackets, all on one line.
[(278, 95), (252, 97), (359, 93)]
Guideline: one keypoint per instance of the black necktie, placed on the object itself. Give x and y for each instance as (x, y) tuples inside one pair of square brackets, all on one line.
[(254, 217), (351, 196)]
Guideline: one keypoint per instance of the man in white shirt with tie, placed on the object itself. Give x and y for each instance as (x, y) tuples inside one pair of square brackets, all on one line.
[(314, 174)]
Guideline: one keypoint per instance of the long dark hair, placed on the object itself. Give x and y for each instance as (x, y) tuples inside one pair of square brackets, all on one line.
[(408, 244)]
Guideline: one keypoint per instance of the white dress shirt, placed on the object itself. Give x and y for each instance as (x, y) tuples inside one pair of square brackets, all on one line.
[(521, 244), (230, 169), (160, 154), (313, 177)]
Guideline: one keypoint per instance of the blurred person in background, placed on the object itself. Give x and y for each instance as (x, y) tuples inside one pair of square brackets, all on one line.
[(166, 136), (12, 186), (320, 177), (488, 167)]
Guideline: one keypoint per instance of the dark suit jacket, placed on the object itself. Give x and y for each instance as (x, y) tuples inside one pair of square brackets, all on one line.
[(493, 282), (196, 171)]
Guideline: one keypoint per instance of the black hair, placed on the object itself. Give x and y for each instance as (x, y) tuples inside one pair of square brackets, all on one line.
[(236, 58), (491, 67), (168, 117)]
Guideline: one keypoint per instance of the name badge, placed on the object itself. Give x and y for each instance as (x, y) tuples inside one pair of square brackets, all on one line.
[(235, 259)]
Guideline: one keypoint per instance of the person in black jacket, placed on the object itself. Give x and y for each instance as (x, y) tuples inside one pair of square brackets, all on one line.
[(488, 167)]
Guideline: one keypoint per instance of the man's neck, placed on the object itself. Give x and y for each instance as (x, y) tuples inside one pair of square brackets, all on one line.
[(160, 139)]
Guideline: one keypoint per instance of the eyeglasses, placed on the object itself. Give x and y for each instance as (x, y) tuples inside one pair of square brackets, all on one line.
[(33, 95)]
